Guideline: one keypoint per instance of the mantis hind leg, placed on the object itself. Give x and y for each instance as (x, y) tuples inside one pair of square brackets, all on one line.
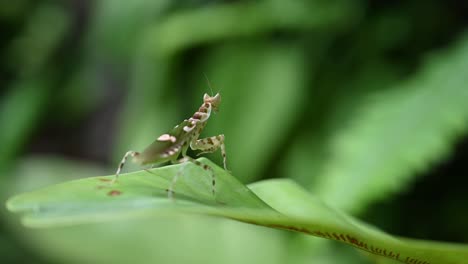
[(170, 191)]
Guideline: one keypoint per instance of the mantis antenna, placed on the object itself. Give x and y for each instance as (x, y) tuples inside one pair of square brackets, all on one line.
[(209, 83)]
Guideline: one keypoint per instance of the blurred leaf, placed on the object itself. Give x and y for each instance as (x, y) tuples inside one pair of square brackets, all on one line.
[(42, 35), (20, 111), (337, 94), (397, 133), (24, 103), (40, 171), (161, 238), (203, 25), (81, 95), (118, 26), (143, 194), (12, 10)]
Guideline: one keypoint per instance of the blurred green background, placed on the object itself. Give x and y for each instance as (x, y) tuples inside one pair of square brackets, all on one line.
[(365, 103)]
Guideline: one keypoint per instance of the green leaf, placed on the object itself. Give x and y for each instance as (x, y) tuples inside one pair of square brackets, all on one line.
[(397, 133), (133, 240), (333, 104), (276, 203)]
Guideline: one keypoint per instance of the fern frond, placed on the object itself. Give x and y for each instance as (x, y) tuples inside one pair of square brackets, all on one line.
[(398, 133)]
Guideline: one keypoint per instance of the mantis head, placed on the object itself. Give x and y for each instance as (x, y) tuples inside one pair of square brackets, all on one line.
[(215, 101)]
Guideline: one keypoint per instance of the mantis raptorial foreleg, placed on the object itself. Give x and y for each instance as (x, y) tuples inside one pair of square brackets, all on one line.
[(210, 144)]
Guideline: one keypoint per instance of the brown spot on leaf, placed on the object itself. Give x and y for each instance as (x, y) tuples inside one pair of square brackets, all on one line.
[(292, 228), (105, 180), (114, 193)]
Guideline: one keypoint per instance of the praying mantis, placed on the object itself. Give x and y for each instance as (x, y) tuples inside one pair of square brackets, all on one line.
[(170, 146)]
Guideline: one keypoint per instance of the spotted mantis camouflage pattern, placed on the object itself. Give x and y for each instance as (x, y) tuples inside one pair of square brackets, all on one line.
[(169, 146)]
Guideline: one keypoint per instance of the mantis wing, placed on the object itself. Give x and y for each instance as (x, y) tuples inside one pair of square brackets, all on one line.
[(166, 149)]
